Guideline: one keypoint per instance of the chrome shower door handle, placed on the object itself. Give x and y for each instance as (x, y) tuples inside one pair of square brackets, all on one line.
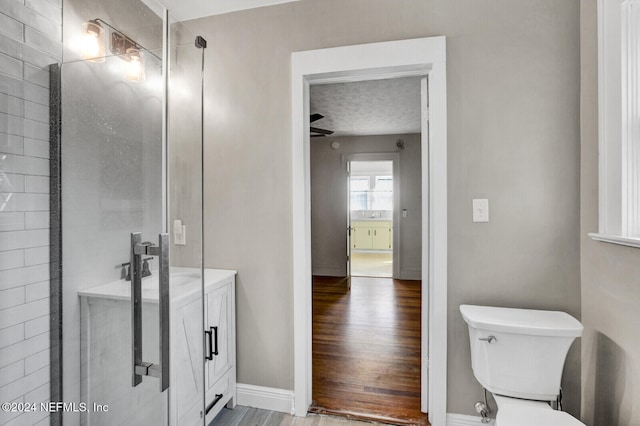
[(139, 367), (136, 308)]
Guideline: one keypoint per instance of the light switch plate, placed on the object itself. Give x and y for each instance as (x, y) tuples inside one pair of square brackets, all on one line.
[(181, 238), (179, 233), (480, 210)]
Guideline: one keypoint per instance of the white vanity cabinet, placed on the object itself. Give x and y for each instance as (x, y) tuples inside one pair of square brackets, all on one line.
[(219, 351), (220, 347), (106, 335)]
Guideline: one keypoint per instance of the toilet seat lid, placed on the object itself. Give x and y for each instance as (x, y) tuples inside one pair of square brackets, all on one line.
[(522, 415)]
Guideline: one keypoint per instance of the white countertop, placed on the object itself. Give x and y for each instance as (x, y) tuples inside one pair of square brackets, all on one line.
[(182, 282)]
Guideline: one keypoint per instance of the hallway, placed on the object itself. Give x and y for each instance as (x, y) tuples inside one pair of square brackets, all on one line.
[(366, 349)]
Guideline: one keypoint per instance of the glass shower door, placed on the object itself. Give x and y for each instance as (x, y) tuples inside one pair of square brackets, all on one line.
[(130, 159), (185, 221)]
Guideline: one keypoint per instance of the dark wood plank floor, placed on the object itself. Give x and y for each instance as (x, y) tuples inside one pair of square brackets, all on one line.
[(366, 349)]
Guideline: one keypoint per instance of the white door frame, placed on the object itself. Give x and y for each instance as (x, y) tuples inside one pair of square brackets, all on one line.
[(414, 57)]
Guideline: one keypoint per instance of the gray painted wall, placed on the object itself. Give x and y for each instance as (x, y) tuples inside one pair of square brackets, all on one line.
[(329, 200), (185, 145), (30, 40), (610, 275), (513, 120)]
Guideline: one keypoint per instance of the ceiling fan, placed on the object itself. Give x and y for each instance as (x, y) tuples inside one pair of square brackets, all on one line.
[(319, 133)]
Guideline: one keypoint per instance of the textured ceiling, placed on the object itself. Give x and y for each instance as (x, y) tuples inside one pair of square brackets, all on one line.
[(375, 107)]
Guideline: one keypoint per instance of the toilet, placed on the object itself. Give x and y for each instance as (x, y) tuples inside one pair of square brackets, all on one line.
[(518, 355)]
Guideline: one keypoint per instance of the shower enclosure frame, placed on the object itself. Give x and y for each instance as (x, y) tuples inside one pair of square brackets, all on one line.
[(55, 238)]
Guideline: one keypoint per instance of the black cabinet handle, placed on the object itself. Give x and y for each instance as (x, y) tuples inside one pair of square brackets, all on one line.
[(213, 403), (212, 342), (209, 355), (215, 339)]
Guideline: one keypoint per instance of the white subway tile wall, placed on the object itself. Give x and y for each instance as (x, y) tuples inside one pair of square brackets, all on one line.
[(30, 40)]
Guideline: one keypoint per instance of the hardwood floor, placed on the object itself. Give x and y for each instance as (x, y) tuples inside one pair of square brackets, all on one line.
[(366, 349)]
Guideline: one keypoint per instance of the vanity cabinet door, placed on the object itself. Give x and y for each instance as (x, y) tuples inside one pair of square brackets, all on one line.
[(186, 364), (218, 322)]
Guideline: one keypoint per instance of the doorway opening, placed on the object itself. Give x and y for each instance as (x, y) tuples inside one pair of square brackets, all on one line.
[(370, 219), (366, 333), (413, 57)]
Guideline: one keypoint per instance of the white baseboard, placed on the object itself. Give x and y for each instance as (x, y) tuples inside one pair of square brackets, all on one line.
[(410, 274), (265, 398), (464, 420), (329, 271)]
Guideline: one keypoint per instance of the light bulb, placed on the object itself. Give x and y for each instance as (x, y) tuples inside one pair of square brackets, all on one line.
[(92, 42), (135, 66), (91, 46)]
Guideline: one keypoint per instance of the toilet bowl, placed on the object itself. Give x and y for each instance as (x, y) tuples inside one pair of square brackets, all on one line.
[(527, 415), (518, 355)]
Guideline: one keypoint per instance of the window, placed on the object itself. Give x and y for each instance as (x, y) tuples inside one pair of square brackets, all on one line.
[(383, 193), (359, 192), (365, 198), (619, 121)]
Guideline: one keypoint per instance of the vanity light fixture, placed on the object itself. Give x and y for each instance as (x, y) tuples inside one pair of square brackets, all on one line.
[(120, 45)]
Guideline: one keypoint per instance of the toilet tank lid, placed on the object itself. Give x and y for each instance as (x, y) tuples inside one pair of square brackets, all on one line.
[(521, 321)]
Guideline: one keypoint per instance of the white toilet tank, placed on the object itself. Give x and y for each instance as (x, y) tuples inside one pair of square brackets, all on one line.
[(519, 352)]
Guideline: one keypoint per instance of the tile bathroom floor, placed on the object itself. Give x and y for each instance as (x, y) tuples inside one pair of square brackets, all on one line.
[(245, 416)]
